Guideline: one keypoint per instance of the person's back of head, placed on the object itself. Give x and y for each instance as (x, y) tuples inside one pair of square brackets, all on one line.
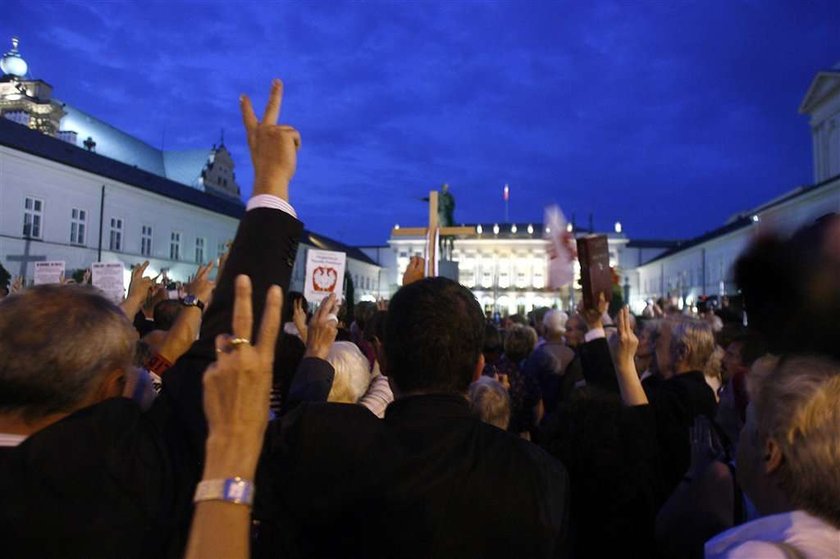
[(489, 401), (790, 288), (519, 342), (692, 343), (362, 314), (434, 334), (793, 434), (61, 348), (165, 313), (554, 324), (352, 373)]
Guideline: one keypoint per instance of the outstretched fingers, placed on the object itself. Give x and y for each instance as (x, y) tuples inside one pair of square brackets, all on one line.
[(270, 324), (249, 118), (243, 319), (275, 101)]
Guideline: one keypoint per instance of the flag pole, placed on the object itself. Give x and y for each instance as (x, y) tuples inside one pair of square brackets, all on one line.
[(506, 195)]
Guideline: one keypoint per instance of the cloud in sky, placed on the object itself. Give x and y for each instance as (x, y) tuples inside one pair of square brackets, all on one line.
[(666, 116)]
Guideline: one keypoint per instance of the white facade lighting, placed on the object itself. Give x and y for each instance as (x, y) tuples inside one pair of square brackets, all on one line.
[(755, 218), (530, 229), (618, 227), (569, 227), (479, 229), (513, 228), (496, 229), (397, 226)]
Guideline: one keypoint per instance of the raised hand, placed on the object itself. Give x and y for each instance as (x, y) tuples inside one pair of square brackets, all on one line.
[(415, 270), (273, 147), (594, 317), (237, 387), (628, 343), (299, 319), (140, 287), (201, 286), (629, 384), (322, 329)]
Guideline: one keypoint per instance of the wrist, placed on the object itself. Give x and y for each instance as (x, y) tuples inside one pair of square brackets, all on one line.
[(319, 353), (275, 187), (232, 457)]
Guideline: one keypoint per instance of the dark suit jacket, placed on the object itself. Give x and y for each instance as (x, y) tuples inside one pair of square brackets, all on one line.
[(111, 481), (676, 402), (429, 480)]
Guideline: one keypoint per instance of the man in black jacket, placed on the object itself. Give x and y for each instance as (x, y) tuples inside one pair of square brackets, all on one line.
[(429, 480), (86, 473)]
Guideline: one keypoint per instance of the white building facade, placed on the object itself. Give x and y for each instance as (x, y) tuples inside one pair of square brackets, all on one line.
[(705, 266), (504, 264), (84, 208), (75, 189)]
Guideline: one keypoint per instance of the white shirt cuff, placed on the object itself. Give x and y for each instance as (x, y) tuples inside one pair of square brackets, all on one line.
[(594, 334), (269, 201)]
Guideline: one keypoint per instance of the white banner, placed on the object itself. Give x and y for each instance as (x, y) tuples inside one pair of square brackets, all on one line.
[(108, 276), (324, 274), (49, 272)]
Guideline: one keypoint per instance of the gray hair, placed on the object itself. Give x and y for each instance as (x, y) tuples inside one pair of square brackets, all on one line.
[(797, 404), (694, 339), (352, 373), (56, 343), (489, 401)]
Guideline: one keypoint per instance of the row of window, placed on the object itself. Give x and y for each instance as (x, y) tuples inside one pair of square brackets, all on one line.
[(33, 214), (362, 282)]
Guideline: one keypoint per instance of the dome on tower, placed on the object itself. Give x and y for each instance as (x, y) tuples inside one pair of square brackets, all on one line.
[(12, 64)]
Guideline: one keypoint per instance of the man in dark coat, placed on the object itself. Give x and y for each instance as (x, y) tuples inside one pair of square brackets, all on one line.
[(84, 472), (429, 480)]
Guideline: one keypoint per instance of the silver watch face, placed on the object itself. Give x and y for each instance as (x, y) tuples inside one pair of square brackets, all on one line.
[(191, 300)]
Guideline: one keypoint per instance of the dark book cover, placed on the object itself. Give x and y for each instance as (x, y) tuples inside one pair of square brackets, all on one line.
[(594, 257)]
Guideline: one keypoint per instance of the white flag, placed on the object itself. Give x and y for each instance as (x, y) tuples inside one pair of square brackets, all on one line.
[(561, 249)]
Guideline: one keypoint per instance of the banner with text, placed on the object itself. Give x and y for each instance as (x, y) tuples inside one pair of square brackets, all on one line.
[(49, 272), (108, 276)]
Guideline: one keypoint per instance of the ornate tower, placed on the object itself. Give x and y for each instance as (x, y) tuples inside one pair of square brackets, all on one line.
[(24, 100)]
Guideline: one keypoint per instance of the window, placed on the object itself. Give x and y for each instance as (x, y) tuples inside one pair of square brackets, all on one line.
[(175, 246), (146, 240), (199, 250), (33, 213), (115, 242), (78, 224), (220, 250)]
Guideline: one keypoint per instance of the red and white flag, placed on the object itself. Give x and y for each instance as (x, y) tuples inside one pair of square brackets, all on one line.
[(561, 250), (506, 193)]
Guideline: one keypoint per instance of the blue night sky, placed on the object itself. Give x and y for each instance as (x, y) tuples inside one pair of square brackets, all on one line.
[(667, 116)]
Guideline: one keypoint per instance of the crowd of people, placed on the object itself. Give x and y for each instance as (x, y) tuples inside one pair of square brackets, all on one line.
[(244, 421)]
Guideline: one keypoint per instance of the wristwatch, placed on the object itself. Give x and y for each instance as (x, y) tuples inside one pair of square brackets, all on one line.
[(192, 301), (233, 490)]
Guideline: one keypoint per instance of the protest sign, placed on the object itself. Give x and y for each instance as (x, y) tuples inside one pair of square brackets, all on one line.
[(108, 277), (49, 272), (324, 274)]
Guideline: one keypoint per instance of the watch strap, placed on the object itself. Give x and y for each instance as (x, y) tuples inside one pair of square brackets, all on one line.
[(232, 490)]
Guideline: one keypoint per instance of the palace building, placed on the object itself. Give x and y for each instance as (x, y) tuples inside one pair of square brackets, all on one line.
[(76, 189)]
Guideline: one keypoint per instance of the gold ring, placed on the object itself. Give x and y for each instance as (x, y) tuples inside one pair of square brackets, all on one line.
[(236, 342)]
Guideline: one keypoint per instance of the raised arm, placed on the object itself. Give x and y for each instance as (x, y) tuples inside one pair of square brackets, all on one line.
[(185, 329), (629, 383), (266, 243), (236, 389), (138, 289)]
